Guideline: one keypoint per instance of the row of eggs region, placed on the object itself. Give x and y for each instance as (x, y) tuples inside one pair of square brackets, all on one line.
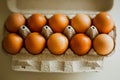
[(58, 22), (58, 43)]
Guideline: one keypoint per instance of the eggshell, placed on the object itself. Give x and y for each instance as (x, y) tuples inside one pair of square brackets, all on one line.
[(80, 44), (81, 22), (57, 43), (103, 44), (36, 22), (103, 22), (12, 43), (58, 22), (14, 21), (35, 43)]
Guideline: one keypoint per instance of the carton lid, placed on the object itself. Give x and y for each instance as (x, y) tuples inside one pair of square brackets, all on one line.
[(59, 6)]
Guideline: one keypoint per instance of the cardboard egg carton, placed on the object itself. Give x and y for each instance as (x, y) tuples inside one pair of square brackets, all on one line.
[(68, 62)]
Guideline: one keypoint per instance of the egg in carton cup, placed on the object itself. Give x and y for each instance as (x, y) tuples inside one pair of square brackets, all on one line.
[(65, 63)]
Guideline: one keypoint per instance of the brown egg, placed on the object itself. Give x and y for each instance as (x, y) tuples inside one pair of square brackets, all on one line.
[(36, 22), (35, 43), (103, 44), (14, 21), (58, 22), (80, 44), (103, 22), (81, 23), (57, 43), (12, 43)]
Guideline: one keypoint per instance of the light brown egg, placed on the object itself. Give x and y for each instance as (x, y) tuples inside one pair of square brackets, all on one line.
[(81, 23), (103, 22), (57, 43), (58, 22), (35, 43), (14, 21), (12, 43), (103, 44), (80, 44), (36, 22)]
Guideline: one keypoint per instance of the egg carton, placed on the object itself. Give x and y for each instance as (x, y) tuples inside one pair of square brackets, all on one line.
[(68, 62)]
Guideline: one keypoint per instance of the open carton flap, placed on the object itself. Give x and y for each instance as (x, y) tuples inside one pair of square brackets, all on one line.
[(59, 6)]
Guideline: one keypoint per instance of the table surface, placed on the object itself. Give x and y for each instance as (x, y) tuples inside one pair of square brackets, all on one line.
[(111, 70)]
